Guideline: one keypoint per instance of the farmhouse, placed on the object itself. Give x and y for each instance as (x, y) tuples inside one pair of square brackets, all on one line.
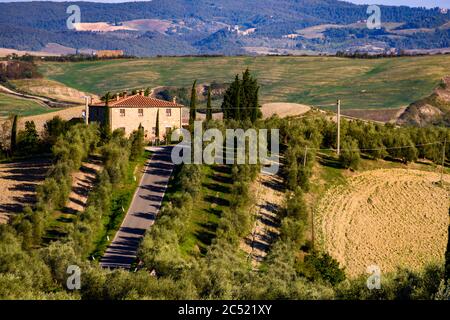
[(128, 112)]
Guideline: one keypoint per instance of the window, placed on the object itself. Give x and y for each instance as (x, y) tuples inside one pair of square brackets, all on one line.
[(140, 112), (168, 112), (122, 112)]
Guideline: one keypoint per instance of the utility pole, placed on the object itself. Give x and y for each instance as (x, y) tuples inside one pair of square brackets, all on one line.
[(443, 160), (86, 108), (338, 127)]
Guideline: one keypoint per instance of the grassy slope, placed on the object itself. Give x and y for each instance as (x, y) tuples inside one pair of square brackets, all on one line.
[(378, 83), (23, 107), (48, 88), (202, 225)]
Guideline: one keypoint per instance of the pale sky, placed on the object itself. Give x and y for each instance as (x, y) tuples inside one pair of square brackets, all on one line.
[(412, 3)]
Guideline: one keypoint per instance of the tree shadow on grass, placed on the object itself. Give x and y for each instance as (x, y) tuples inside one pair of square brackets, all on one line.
[(220, 179), (329, 161), (53, 235), (217, 201), (217, 187), (225, 169), (206, 235)]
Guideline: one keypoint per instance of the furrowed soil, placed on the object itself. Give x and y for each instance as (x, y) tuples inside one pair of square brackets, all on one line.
[(18, 181), (387, 217)]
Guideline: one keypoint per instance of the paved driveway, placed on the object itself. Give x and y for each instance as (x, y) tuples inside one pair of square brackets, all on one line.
[(141, 215)]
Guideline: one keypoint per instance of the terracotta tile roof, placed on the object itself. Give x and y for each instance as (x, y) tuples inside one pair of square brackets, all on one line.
[(139, 101)]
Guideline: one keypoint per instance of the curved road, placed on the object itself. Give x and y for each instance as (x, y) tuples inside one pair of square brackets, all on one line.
[(141, 215)]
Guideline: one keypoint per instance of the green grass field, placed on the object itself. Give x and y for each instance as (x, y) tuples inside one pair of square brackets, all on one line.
[(360, 84), (203, 221), (23, 107)]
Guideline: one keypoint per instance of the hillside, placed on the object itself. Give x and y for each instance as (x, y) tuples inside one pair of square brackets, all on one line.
[(360, 83), (434, 109), (180, 27)]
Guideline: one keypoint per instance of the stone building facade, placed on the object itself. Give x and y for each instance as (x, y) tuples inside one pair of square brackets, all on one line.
[(128, 112)]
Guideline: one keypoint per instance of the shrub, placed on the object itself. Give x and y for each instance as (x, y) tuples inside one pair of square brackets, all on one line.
[(137, 143), (323, 266), (350, 155)]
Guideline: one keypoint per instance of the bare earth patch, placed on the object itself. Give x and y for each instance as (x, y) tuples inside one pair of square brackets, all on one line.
[(388, 217), (82, 183), (283, 109), (18, 181)]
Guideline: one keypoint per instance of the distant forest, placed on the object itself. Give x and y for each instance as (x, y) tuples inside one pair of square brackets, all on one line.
[(32, 25)]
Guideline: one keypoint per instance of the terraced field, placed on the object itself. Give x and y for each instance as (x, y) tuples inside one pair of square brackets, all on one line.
[(387, 217), (360, 84)]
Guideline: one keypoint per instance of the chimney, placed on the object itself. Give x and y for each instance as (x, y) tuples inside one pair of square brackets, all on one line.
[(125, 94), (174, 99), (117, 96), (141, 92)]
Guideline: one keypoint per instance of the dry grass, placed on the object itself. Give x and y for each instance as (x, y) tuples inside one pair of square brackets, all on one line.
[(283, 109), (5, 52), (51, 89), (40, 120), (388, 217)]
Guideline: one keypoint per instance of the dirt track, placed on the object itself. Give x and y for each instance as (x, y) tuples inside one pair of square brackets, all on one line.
[(389, 218), (269, 197), (82, 183)]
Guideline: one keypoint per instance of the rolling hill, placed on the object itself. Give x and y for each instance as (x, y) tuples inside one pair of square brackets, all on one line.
[(360, 83)]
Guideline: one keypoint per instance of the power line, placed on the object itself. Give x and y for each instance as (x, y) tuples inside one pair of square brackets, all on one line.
[(379, 149)]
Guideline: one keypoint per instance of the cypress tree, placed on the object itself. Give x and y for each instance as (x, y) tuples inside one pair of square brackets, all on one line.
[(107, 114), (240, 101), (14, 134), (237, 100), (192, 106), (208, 106)]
